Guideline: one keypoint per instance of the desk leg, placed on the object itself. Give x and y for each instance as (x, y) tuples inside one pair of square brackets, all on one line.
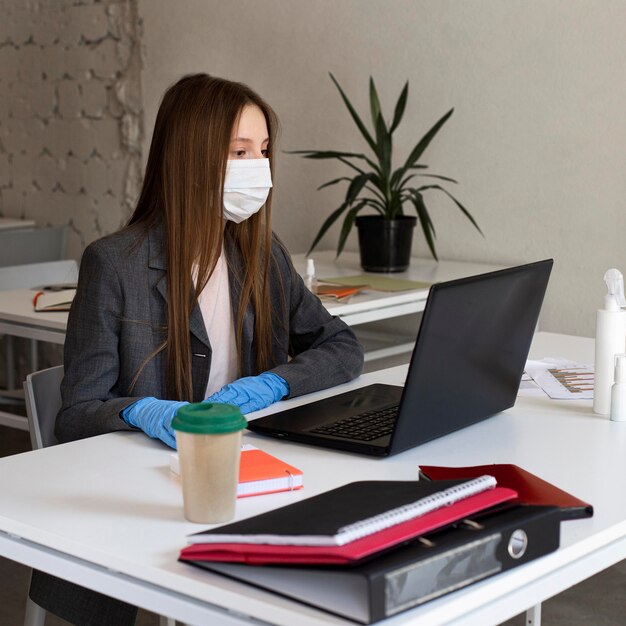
[(34, 356), (9, 363), (533, 615)]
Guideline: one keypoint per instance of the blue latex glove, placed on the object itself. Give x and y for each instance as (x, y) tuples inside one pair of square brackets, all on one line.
[(154, 417), (252, 392)]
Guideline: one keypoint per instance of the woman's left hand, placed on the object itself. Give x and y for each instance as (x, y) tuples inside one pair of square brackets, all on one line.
[(252, 393)]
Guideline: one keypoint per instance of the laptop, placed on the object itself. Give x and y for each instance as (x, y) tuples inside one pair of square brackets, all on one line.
[(466, 366)]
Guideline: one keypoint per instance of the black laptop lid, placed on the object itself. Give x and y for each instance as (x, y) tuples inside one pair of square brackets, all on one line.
[(470, 353)]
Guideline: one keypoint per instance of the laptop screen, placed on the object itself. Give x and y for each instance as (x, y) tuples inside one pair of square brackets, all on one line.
[(471, 350)]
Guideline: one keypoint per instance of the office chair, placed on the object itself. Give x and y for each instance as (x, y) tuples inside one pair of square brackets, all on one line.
[(26, 277), (42, 391), (33, 245)]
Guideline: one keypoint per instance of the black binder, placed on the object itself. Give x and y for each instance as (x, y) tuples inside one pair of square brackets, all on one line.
[(424, 569)]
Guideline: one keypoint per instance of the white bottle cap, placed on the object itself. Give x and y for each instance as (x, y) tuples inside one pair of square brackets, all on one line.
[(615, 285), (310, 267)]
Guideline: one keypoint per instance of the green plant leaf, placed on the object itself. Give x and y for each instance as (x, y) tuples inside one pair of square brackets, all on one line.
[(400, 172), (348, 222), (355, 187), (383, 139), (463, 209), (330, 220), (355, 115), (404, 182), (328, 154), (377, 193), (377, 205), (333, 182), (417, 152), (351, 165), (374, 102), (425, 222), (400, 106), (446, 178)]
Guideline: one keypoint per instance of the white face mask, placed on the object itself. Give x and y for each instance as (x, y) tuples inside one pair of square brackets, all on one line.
[(246, 187)]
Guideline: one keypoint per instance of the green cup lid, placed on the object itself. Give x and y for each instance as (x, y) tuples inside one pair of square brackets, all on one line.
[(209, 418)]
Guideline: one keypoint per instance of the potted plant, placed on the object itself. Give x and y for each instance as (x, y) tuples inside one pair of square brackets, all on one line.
[(385, 236)]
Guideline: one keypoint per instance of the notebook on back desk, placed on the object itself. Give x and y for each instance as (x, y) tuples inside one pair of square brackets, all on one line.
[(467, 363)]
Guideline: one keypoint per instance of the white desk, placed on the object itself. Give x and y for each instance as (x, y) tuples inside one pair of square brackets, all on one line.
[(105, 512), (370, 306), (18, 318), (13, 223)]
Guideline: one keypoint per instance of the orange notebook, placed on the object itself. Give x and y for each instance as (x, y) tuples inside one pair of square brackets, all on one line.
[(259, 473), (338, 292)]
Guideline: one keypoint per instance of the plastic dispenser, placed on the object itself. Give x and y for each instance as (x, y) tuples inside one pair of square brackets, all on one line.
[(310, 279), (618, 391), (610, 340)]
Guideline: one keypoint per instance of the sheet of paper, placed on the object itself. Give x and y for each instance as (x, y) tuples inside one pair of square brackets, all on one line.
[(378, 283), (559, 378)]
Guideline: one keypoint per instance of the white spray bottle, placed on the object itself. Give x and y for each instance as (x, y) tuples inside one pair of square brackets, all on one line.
[(610, 340), (310, 279)]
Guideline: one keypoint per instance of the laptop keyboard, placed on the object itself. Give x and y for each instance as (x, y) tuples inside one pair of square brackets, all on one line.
[(363, 427)]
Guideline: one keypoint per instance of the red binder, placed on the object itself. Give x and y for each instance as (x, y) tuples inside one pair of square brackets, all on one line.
[(530, 488), (258, 554)]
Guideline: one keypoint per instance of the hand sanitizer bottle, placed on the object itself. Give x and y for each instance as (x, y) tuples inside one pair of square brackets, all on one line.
[(610, 340), (618, 391), (310, 279)]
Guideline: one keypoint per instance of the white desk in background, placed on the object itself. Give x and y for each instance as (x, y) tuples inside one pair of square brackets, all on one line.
[(12, 223), (373, 306), (18, 318), (109, 514), (370, 306)]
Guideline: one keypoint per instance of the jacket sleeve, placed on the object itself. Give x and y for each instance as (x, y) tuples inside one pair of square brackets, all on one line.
[(323, 349), (90, 399)]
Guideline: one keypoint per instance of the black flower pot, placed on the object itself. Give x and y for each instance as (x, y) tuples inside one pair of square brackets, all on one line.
[(385, 245)]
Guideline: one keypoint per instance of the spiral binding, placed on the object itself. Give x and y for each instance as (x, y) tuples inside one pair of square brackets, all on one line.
[(406, 512)]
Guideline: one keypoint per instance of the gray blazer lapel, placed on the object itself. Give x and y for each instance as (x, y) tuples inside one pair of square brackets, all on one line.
[(158, 264)]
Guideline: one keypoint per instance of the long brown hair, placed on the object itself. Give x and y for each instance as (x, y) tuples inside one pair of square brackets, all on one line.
[(183, 190)]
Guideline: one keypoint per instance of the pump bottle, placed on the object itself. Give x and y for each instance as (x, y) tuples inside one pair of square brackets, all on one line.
[(310, 279), (618, 391), (610, 340)]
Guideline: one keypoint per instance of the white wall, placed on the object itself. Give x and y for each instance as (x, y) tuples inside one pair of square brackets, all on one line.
[(537, 138), (70, 114)]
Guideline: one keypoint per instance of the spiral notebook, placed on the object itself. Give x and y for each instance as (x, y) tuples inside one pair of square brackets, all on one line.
[(348, 523)]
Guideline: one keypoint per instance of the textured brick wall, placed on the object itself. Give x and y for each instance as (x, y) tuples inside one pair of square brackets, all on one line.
[(70, 114), (70, 121)]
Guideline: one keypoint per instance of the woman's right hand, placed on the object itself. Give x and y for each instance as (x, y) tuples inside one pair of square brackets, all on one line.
[(154, 417)]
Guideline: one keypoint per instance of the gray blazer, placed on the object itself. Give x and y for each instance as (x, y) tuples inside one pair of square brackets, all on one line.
[(118, 319)]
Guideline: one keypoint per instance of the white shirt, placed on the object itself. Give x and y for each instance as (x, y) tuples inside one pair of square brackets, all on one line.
[(214, 302)]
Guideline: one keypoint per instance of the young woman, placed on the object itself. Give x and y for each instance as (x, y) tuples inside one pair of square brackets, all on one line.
[(196, 298)]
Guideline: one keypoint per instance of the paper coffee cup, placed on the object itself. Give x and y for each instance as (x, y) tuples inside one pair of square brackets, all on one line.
[(208, 438)]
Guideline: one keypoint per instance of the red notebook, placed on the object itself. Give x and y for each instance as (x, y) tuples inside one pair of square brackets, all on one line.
[(259, 473), (530, 488), (246, 547)]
